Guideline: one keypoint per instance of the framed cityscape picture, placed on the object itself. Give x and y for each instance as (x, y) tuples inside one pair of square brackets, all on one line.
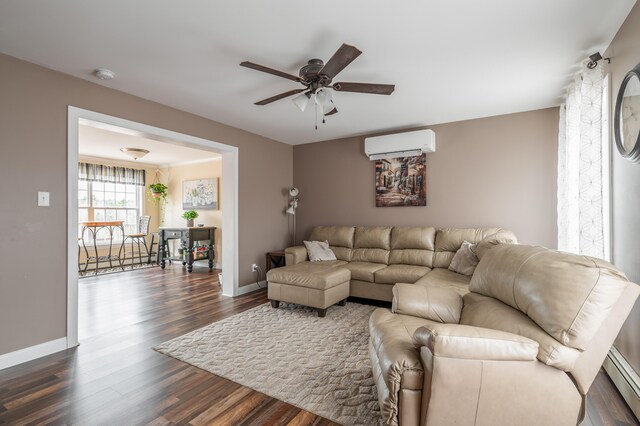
[(200, 194), (401, 181)]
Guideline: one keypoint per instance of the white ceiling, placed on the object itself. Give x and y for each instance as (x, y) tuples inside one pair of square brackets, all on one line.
[(450, 60), (104, 143)]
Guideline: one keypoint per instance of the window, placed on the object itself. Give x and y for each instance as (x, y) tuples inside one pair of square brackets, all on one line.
[(101, 201), (583, 167)]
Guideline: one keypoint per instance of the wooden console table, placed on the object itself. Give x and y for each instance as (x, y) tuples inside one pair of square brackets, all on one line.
[(188, 238)]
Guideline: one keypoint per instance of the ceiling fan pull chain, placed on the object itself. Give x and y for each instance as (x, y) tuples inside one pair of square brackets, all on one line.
[(316, 114)]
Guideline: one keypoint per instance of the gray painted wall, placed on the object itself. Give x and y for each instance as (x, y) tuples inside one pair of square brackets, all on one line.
[(33, 134), (497, 171), (625, 179)]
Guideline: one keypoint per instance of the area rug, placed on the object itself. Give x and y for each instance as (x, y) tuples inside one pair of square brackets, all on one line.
[(318, 364), (103, 271)]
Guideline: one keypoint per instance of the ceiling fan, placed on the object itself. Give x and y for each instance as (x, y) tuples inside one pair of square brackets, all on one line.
[(317, 77)]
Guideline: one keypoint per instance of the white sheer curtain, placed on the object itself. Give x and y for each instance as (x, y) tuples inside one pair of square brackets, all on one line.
[(583, 166)]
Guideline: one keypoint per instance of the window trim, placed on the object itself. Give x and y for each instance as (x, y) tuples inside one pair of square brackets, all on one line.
[(140, 211)]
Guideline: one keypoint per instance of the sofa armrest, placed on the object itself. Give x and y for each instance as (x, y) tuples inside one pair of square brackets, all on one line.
[(293, 255), (468, 342), (432, 303)]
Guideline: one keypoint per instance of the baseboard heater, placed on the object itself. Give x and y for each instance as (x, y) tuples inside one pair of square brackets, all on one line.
[(625, 378)]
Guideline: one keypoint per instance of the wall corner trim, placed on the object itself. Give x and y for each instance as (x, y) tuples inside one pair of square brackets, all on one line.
[(624, 378), (32, 352), (251, 287)]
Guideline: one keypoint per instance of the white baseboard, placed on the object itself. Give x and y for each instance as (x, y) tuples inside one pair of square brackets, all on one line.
[(625, 378), (251, 287), (27, 354)]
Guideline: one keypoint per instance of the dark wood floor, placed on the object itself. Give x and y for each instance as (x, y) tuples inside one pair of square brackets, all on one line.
[(115, 378)]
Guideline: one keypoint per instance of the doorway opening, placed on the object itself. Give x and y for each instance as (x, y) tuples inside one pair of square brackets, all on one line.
[(134, 200)]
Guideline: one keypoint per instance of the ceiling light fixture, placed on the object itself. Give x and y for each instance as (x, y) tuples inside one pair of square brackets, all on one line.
[(301, 101), (317, 79), (323, 98), (104, 74), (135, 153)]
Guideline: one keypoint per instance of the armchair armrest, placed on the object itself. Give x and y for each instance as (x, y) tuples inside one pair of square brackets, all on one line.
[(468, 342), (293, 255), (432, 303)]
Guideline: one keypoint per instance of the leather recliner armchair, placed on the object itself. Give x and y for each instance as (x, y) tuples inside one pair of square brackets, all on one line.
[(522, 348)]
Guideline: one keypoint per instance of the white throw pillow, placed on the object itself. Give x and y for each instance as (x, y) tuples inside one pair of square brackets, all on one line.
[(319, 250), (465, 260)]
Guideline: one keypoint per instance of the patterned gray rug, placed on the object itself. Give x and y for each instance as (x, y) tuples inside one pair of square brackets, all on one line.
[(91, 272), (318, 364)]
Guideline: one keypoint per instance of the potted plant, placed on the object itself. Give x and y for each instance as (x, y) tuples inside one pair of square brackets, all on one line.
[(189, 215), (158, 191)]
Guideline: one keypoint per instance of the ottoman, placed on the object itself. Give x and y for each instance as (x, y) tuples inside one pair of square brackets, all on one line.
[(314, 284)]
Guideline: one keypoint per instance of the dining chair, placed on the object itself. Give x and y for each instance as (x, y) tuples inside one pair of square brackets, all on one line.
[(139, 237)]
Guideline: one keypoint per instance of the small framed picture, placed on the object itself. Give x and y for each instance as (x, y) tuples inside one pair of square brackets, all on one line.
[(200, 194)]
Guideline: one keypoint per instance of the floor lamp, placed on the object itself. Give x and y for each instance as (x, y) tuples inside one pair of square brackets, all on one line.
[(291, 211)]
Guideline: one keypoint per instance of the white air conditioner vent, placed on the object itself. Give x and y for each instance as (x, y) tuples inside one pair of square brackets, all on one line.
[(397, 145)]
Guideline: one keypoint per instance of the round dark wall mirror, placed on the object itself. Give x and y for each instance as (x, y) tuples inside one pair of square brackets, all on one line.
[(627, 116)]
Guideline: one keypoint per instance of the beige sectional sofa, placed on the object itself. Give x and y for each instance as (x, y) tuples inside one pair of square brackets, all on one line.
[(519, 342), (521, 348), (379, 257)]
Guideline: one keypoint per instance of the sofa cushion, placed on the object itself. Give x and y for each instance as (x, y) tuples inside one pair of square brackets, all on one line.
[(320, 275), (342, 253), (432, 303), (444, 278), (412, 246), (567, 295), (363, 271), (341, 236), (411, 257), (413, 237), (393, 274), (374, 255), (484, 311), (372, 237), (449, 240)]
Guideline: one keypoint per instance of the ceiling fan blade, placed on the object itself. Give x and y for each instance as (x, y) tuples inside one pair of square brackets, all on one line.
[(269, 70), (333, 111), (343, 57), (280, 96), (376, 89)]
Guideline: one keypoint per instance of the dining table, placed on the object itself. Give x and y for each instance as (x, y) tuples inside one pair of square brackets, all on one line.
[(92, 228)]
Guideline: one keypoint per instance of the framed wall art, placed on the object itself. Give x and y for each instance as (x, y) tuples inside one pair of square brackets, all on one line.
[(200, 194), (401, 182)]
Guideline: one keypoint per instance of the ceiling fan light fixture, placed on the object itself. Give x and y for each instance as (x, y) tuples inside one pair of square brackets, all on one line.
[(323, 98), (302, 100)]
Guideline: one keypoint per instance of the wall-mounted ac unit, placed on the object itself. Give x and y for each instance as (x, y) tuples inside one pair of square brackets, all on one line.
[(405, 144)]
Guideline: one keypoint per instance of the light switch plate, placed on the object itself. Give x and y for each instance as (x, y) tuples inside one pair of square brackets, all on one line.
[(43, 199)]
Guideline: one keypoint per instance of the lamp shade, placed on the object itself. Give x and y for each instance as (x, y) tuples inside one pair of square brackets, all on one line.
[(323, 98), (301, 101)]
